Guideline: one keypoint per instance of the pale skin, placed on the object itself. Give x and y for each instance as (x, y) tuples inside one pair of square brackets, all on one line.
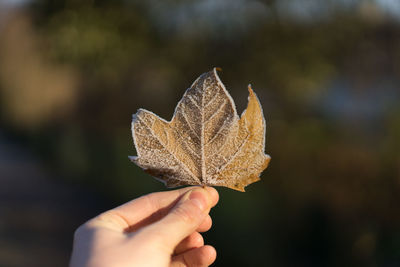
[(159, 229)]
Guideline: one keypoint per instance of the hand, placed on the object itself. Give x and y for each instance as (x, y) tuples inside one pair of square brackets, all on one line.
[(159, 229)]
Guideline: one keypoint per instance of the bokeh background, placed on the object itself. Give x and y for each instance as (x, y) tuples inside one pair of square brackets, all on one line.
[(73, 72)]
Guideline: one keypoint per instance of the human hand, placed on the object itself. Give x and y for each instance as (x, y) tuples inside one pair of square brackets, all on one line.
[(159, 229)]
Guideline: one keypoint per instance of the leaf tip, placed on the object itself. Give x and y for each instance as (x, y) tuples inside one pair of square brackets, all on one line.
[(251, 92), (135, 116), (267, 160), (217, 68), (239, 188), (133, 158)]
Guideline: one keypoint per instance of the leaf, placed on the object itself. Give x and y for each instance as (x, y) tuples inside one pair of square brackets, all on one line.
[(205, 143)]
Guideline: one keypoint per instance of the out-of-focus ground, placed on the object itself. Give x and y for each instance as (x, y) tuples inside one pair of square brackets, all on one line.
[(38, 214)]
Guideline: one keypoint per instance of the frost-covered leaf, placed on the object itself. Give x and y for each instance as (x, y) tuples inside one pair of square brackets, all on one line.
[(205, 143)]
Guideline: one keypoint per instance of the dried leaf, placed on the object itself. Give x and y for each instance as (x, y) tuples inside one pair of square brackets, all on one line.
[(205, 143)]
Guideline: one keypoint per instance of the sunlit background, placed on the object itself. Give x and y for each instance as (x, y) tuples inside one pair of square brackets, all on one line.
[(327, 73)]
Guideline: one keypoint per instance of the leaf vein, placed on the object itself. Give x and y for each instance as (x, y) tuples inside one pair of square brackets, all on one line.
[(211, 101), (217, 133), (235, 154), (186, 143), (194, 102), (188, 123), (215, 113), (158, 139)]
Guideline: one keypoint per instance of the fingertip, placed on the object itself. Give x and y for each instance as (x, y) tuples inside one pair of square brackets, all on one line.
[(207, 255), (205, 225), (195, 240), (202, 256), (210, 252), (213, 195), (199, 197)]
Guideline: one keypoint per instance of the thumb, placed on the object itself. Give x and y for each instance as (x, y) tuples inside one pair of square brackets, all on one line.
[(183, 219)]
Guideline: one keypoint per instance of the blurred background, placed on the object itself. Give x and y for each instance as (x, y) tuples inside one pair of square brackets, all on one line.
[(327, 73)]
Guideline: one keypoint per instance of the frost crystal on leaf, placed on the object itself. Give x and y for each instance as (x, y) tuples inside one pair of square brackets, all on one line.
[(205, 143)]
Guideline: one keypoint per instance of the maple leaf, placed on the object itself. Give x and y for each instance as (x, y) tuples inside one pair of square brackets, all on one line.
[(205, 143)]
